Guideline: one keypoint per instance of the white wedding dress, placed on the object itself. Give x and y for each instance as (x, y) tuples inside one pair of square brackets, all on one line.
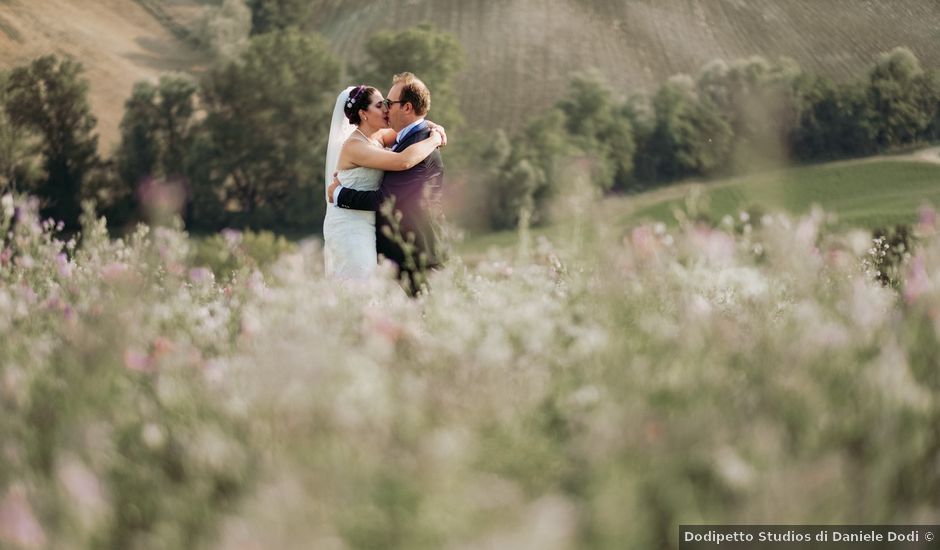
[(349, 235)]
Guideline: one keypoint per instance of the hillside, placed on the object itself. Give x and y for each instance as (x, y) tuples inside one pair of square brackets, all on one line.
[(118, 41), (519, 53)]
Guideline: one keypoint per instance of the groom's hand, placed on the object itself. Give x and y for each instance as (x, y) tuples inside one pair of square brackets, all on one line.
[(333, 186)]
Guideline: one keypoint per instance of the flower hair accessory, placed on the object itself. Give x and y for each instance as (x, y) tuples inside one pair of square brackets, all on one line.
[(353, 95)]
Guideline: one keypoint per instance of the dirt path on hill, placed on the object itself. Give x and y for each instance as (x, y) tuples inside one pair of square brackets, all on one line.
[(931, 155)]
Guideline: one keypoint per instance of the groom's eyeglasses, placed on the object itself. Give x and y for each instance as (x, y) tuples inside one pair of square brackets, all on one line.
[(388, 103)]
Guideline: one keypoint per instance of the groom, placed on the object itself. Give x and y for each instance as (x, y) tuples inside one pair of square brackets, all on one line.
[(412, 240)]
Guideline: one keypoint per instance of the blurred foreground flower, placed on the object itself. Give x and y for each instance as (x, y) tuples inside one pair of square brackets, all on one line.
[(166, 392), (18, 524)]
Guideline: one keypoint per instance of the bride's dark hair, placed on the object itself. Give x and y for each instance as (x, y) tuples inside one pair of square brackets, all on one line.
[(359, 98)]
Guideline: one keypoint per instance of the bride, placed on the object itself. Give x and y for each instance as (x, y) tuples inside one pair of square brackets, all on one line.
[(356, 152)]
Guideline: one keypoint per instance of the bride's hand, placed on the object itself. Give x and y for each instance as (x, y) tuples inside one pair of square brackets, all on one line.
[(438, 128), (441, 138)]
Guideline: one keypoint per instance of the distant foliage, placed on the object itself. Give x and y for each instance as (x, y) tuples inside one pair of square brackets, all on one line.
[(243, 147), (758, 100), (896, 92), (433, 56), (834, 121), (228, 251), (585, 130), (157, 136), (599, 129), (688, 137), (897, 106), (267, 122), (275, 15), (19, 150), (225, 29), (731, 118), (49, 97)]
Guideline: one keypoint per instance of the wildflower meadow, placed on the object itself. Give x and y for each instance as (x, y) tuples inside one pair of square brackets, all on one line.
[(593, 392)]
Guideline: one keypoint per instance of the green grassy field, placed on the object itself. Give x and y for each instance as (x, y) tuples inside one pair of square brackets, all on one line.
[(866, 194), (862, 194)]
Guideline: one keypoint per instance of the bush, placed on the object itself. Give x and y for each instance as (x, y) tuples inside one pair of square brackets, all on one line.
[(225, 252)]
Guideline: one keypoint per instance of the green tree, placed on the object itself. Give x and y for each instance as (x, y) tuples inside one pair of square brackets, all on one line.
[(757, 99), (833, 120), (49, 97), (225, 29), (18, 149), (266, 130), (157, 135), (601, 129), (524, 173), (274, 15), (895, 91), (157, 129), (502, 195), (930, 103), (638, 110), (434, 57), (587, 105), (689, 137), (544, 144)]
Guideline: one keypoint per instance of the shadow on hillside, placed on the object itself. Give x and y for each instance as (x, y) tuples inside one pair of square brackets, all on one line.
[(165, 55)]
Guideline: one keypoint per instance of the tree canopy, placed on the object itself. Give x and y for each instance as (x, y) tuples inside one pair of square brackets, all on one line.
[(433, 56), (49, 97)]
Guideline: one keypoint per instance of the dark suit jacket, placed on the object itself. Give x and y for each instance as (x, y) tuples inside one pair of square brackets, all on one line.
[(417, 195)]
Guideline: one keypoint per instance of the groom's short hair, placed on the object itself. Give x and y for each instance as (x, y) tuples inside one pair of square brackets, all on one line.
[(414, 91)]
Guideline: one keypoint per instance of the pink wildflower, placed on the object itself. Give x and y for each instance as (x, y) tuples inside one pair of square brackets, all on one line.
[(5, 255), (232, 237), (63, 265), (84, 487), (25, 261), (383, 326), (716, 246), (136, 361), (918, 282), (653, 431), (162, 198), (644, 242), (28, 294), (838, 259), (927, 222), (114, 271), (162, 346), (18, 524), (806, 232), (201, 275)]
